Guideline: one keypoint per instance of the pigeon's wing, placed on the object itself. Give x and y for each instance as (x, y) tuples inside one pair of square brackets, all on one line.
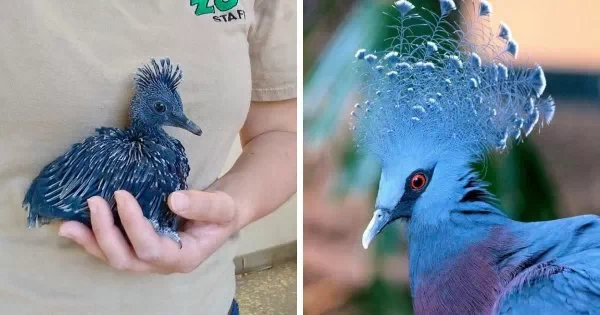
[(567, 285), (182, 165), (102, 164)]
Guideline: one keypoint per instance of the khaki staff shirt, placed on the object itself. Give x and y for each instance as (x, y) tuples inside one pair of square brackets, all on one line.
[(66, 68)]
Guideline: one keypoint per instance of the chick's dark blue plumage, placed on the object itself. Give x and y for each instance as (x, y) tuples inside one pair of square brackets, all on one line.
[(141, 159)]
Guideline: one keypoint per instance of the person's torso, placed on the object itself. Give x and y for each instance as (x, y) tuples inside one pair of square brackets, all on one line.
[(66, 69)]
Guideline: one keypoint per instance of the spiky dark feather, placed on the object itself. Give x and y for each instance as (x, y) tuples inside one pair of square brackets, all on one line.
[(148, 166), (154, 73), (142, 159)]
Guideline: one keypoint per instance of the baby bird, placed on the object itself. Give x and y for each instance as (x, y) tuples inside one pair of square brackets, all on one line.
[(435, 104), (141, 159)]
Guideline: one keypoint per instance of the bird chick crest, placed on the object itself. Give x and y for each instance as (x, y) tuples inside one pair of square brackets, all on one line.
[(453, 88), (161, 72)]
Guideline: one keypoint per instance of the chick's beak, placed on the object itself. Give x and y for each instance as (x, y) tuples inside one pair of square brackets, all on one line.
[(181, 121), (380, 219)]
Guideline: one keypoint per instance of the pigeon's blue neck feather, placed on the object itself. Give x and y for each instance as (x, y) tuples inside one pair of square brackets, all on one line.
[(468, 224), (456, 255), (468, 262), (460, 258), (152, 131)]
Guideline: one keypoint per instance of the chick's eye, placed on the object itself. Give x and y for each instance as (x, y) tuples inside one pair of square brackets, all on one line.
[(418, 181), (160, 107)]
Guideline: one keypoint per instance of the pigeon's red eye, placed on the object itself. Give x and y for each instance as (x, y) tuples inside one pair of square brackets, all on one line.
[(418, 181)]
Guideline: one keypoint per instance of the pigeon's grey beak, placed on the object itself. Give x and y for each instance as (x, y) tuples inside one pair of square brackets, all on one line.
[(181, 121), (380, 219)]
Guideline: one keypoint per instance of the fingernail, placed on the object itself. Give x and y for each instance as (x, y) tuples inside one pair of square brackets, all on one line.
[(65, 235), (119, 197), (179, 201), (91, 205)]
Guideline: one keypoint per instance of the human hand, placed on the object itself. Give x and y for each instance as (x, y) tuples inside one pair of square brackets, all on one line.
[(212, 217)]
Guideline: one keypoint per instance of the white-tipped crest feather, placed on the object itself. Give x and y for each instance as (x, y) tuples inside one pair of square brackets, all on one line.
[(447, 90)]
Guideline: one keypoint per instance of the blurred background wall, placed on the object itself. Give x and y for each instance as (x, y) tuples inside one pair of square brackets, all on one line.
[(563, 37), (553, 174)]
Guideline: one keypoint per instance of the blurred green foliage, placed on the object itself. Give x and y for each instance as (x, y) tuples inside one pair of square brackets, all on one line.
[(382, 298), (521, 183), (517, 178)]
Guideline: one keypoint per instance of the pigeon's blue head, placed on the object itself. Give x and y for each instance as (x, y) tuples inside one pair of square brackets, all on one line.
[(445, 93), (156, 101)]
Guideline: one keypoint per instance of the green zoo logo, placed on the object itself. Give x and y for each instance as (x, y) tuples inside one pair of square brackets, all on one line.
[(223, 6)]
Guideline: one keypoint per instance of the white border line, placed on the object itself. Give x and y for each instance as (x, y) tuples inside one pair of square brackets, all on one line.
[(300, 161)]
